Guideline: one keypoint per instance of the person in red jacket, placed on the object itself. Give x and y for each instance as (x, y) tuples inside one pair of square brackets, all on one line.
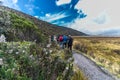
[(60, 39)]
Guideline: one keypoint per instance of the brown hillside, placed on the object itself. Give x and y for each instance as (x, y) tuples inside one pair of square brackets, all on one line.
[(45, 27)]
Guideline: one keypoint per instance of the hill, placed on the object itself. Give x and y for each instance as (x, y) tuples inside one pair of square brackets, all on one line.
[(21, 58), (45, 27), (18, 28)]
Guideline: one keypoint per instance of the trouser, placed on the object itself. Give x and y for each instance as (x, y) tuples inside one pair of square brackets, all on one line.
[(70, 47), (61, 44), (64, 44)]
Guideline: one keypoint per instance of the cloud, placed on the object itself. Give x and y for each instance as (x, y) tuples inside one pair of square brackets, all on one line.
[(65, 14), (47, 15), (11, 4), (102, 16), (14, 1), (36, 16), (113, 32), (54, 18), (30, 8), (1, 0), (61, 2), (88, 26)]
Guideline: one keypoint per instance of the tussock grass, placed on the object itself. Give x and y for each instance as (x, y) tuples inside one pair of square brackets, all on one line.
[(78, 75), (104, 51)]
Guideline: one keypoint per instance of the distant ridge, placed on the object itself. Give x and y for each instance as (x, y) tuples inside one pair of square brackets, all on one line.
[(45, 27)]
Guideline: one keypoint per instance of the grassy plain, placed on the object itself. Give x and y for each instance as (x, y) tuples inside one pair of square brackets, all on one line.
[(104, 51)]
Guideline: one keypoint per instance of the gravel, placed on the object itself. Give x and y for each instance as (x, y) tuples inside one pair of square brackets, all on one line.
[(90, 69)]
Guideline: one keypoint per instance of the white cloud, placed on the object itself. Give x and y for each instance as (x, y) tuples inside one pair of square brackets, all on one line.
[(102, 18), (89, 27), (52, 17), (11, 4), (61, 2), (36, 16), (30, 8), (47, 15), (2, 0), (102, 15), (14, 1)]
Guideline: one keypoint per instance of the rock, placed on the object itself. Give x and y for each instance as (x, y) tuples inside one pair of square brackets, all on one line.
[(2, 38), (1, 61)]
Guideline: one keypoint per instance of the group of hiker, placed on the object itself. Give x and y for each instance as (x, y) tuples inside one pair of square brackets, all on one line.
[(64, 41)]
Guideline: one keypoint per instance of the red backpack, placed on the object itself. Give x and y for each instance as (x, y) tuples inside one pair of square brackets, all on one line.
[(61, 38)]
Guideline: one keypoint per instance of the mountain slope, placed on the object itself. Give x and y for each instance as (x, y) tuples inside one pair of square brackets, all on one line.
[(111, 33), (18, 28), (45, 27), (23, 59)]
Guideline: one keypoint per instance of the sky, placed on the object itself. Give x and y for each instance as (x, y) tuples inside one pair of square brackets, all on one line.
[(95, 17)]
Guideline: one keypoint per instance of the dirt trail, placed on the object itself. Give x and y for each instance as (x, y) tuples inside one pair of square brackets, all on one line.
[(90, 69)]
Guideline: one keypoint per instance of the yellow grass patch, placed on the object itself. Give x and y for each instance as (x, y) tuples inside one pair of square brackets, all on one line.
[(105, 51)]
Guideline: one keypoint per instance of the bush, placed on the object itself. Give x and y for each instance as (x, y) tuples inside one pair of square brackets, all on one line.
[(17, 28), (28, 61)]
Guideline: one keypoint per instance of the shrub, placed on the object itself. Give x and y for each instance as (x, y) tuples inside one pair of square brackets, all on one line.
[(28, 61), (17, 28)]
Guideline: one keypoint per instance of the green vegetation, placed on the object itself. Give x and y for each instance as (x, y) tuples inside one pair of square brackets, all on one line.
[(23, 29), (104, 51), (78, 75), (17, 28), (25, 56), (4, 21), (28, 61)]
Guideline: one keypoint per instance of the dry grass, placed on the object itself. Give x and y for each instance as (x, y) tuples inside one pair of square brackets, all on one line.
[(78, 74), (105, 51)]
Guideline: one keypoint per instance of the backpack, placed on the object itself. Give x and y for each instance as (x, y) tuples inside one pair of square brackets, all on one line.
[(65, 38), (61, 38)]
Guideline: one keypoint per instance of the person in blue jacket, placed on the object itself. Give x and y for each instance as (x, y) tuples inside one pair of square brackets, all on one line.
[(65, 40)]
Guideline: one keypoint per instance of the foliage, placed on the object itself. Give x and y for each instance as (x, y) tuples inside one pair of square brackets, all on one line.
[(4, 21), (66, 55), (28, 61), (24, 29), (18, 28), (78, 75)]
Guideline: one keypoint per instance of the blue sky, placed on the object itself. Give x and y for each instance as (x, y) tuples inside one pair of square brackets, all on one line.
[(48, 10), (89, 16)]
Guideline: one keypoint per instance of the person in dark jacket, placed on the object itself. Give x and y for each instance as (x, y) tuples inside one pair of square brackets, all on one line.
[(52, 38), (70, 42)]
